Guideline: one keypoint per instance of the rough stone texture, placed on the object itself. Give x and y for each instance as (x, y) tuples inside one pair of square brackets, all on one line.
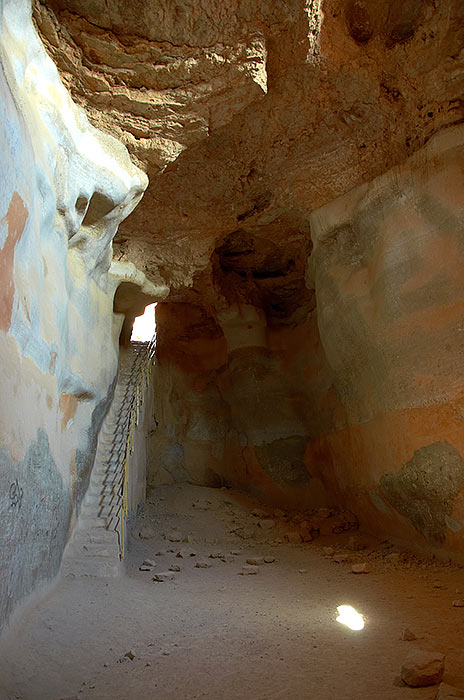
[(272, 133), (426, 486), (423, 668), (449, 692), (247, 116), (330, 407), (387, 266)]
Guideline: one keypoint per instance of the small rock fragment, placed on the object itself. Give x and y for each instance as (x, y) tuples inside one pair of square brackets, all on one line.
[(293, 537), (161, 553), (255, 561), (227, 558), (175, 567), (423, 668), (279, 513), (298, 518), (329, 551), (355, 544), (269, 560), (235, 552), (173, 537), (266, 524), (363, 568), (305, 532), (249, 570), (408, 635), (143, 567), (340, 558), (260, 513), (130, 655), (148, 562), (164, 576), (449, 692), (458, 603), (201, 564), (302, 571), (324, 512)]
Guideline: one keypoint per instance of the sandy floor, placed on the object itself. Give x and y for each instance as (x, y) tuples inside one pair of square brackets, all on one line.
[(213, 633)]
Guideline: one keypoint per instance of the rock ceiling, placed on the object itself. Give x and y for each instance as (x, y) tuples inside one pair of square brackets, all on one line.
[(248, 115)]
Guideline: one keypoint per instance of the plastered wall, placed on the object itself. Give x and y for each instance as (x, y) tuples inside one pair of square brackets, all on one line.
[(64, 188)]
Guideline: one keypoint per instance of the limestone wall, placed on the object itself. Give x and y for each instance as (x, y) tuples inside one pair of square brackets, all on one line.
[(388, 269), (358, 402), (64, 188)]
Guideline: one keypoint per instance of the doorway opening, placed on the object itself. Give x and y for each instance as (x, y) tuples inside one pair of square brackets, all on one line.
[(144, 327)]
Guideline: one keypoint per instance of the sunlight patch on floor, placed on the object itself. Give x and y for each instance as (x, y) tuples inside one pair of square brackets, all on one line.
[(350, 617)]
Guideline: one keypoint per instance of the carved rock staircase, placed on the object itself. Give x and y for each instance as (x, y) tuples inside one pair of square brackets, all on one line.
[(96, 546)]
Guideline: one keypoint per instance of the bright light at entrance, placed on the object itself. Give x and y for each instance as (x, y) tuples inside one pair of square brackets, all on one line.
[(349, 617), (144, 326)]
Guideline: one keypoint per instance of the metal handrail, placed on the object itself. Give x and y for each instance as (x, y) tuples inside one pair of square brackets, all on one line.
[(126, 422)]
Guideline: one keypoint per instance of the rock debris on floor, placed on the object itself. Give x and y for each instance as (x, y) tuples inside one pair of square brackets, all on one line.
[(213, 604)]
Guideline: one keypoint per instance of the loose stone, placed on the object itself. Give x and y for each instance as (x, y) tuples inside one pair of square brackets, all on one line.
[(449, 692), (293, 537), (256, 561), (173, 537), (164, 576), (363, 568), (423, 668), (266, 524), (249, 570)]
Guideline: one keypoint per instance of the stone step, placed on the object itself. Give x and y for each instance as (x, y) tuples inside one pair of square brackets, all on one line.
[(94, 548), (91, 566), (97, 536), (111, 472), (100, 490), (98, 549), (88, 522)]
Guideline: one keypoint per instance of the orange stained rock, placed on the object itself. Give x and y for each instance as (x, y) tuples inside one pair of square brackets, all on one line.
[(15, 218)]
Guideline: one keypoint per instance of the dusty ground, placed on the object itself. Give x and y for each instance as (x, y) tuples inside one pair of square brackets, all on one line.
[(217, 634)]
